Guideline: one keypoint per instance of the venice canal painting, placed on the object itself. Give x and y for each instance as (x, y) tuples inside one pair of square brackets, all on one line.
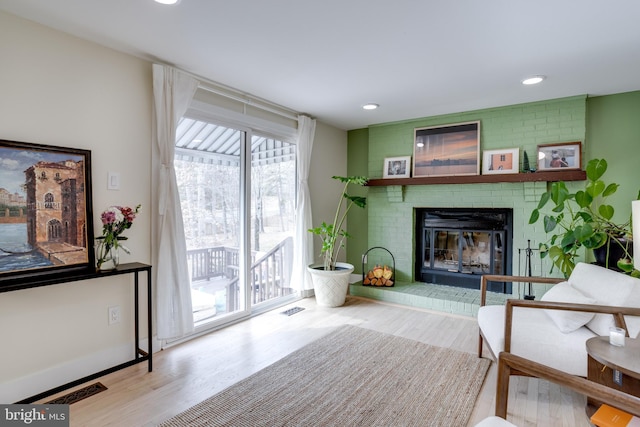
[(43, 207)]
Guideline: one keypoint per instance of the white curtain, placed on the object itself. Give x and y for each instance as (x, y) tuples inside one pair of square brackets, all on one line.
[(303, 243), (172, 93)]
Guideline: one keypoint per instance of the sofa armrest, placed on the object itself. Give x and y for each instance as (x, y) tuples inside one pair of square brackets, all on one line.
[(501, 278), (617, 312), (508, 362)]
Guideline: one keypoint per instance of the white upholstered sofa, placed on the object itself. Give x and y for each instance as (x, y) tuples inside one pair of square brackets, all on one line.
[(553, 331)]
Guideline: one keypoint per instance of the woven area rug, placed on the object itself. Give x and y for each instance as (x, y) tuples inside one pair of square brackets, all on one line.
[(351, 377)]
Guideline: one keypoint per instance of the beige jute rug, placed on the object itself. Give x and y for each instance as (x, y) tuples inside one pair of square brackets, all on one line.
[(351, 377)]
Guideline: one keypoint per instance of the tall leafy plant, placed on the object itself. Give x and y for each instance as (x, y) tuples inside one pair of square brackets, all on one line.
[(333, 235), (581, 220)]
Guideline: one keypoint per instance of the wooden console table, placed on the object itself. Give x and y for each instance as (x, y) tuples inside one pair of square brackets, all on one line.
[(139, 355), (605, 359)]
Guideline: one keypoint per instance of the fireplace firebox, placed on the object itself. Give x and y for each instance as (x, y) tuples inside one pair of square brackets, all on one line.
[(456, 246)]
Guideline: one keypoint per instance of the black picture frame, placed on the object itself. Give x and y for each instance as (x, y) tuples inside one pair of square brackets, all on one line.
[(46, 212)]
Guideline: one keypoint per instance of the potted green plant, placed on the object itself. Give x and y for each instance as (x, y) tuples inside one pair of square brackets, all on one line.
[(331, 278), (584, 220)]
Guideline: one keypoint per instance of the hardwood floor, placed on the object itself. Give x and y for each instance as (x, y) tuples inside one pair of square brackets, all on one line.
[(190, 372)]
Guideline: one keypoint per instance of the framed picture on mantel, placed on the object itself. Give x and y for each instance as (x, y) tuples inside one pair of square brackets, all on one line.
[(46, 225), (560, 156), (397, 167), (447, 150), (500, 161)]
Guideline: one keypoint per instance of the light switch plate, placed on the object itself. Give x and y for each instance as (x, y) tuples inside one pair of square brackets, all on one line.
[(113, 181)]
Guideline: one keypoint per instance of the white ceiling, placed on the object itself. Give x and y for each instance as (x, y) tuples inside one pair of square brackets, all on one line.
[(415, 58)]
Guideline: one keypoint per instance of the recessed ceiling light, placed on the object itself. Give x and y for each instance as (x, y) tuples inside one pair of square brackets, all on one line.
[(533, 80), (167, 1), (370, 106)]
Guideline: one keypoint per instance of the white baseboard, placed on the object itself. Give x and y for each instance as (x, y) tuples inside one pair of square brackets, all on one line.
[(21, 388), (307, 293)]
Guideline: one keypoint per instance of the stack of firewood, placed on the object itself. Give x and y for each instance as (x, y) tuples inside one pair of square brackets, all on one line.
[(379, 276)]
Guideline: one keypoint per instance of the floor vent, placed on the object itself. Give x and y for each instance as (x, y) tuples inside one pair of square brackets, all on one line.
[(293, 310), (78, 395)]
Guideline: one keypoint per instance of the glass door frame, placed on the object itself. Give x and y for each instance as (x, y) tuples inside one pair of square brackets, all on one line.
[(245, 249)]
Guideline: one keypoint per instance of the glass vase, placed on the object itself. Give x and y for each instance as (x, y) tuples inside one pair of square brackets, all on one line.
[(107, 256)]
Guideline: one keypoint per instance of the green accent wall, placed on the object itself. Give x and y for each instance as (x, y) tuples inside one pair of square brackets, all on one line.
[(608, 126), (357, 219), (523, 126), (613, 133)]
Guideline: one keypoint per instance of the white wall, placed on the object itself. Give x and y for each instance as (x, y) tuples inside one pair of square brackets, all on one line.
[(329, 158), (59, 90)]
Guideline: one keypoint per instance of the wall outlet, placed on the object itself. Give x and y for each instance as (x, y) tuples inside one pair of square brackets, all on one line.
[(114, 314)]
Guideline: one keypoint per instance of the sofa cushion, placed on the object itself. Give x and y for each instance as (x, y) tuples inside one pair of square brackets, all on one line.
[(536, 337), (602, 322), (567, 321), (608, 288)]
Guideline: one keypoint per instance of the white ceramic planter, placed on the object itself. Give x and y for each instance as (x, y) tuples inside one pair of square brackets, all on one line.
[(330, 287)]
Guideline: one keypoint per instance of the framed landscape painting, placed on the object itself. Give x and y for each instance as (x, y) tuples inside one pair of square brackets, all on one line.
[(46, 224), (447, 150)]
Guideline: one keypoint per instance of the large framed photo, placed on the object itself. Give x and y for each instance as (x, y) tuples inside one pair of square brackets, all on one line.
[(561, 156), (46, 224), (397, 167), (500, 161), (447, 150)]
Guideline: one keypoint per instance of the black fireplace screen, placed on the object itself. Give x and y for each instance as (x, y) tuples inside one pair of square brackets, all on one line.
[(457, 246)]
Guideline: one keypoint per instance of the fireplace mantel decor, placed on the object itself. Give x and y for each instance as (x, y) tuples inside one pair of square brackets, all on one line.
[(450, 150), (564, 175)]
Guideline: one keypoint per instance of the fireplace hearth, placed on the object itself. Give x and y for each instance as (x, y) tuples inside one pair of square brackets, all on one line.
[(456, 246)]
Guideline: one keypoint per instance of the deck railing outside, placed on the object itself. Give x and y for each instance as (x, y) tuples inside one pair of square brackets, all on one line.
[(270, 272)]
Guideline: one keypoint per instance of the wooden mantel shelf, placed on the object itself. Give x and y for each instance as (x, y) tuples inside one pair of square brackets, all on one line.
[(565, 175)]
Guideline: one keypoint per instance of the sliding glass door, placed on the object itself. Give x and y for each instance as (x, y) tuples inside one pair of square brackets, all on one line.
[(272, 219), (237, 193)]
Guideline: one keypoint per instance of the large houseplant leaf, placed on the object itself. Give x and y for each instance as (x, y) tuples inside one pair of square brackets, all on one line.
[(550, 223), (611, 188), (606, 211), (596, 168), (559, 192), (583, 198)]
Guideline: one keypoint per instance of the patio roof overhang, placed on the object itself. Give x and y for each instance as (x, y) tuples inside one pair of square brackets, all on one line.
[(204, 142)]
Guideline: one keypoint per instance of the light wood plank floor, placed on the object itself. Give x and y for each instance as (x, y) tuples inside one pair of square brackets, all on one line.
[(189, 373)]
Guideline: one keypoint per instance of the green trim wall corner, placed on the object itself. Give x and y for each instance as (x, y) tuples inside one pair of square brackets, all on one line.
[(608, 126), (357, 219)]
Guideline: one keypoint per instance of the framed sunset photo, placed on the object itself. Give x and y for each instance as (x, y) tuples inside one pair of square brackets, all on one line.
[(449, 150)]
